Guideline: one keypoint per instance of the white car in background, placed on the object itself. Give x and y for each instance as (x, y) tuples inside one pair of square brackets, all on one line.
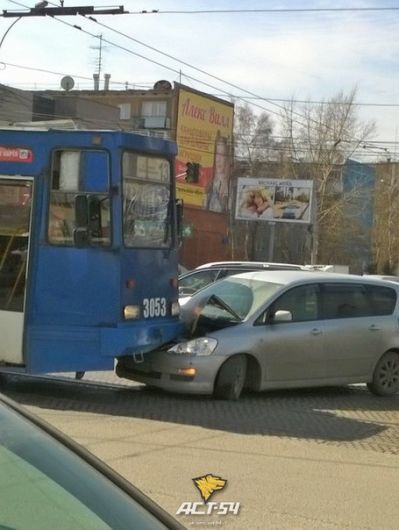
[(387, 277), (193, 281)]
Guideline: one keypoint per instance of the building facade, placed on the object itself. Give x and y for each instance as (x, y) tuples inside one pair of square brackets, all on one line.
[(201, 125)]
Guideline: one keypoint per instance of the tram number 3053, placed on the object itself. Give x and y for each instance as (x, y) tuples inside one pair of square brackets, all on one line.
[(154, 307)]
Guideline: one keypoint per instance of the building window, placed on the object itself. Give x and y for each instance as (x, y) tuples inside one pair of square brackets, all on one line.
[(125, 111), (153, 115)]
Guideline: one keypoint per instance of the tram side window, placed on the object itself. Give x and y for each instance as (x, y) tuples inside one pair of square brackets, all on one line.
[(146, 201), (75, 173), (15, 207)]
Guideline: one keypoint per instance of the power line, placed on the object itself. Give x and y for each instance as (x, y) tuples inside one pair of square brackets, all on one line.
[(200, 70), (360, 141), (213, 77), (60, 10), (194, 143), (147, 84), (52, 72), (272, 147), (175, 59), (268, 11), (319, 102)]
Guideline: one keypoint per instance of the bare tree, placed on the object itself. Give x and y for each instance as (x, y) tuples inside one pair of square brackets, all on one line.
[(319, 139), (253, 147), (386, 218), (253, 141)]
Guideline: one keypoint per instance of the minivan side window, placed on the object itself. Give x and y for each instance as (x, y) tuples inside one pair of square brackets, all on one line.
[(382, 299), (345, 301), (302, 302)]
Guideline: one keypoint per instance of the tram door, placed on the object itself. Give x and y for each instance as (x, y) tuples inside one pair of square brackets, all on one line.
[(15, 219)]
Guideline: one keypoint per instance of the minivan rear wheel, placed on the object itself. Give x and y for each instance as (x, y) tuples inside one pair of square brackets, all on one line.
[(386, 376), (231, 378)]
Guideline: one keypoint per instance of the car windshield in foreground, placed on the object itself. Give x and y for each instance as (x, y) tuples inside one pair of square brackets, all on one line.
[(44, 485), (238, 298)]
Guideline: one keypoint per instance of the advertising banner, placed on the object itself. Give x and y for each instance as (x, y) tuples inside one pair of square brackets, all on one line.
[(204, 136), (274, 200)]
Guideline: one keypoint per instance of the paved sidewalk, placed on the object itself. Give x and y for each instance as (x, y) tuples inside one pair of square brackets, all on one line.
[(306, 459)]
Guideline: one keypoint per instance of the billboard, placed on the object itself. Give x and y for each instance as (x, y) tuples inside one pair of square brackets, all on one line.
[(204, 138), (274, 200)]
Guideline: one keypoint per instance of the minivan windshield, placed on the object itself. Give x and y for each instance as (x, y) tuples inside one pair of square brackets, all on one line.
[(243, 296)]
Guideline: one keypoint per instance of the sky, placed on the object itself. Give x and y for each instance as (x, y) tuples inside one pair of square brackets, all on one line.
[(301, 56)]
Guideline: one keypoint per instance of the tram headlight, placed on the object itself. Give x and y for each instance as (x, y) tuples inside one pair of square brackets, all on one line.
[(130, 312), (175, 309)]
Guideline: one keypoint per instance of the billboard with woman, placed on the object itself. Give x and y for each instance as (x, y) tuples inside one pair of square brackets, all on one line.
[(204, 137), (274, 200)]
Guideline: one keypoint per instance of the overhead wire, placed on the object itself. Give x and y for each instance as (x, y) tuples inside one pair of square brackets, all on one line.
[(284, 10), (234, 96), (43, 70), (178, 71), (194, 143), (27, 102), (298, 10), (273, 146), (195, 68), (186, 64), (200, 70)]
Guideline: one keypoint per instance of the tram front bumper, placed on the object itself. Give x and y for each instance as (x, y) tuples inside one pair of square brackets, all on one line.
[(174, 373), (56, 348), (130, 337)]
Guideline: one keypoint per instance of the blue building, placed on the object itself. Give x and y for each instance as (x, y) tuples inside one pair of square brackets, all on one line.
[(358, 186)]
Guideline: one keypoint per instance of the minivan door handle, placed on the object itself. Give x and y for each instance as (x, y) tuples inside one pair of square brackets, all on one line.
[(316, 331), (373, 327)]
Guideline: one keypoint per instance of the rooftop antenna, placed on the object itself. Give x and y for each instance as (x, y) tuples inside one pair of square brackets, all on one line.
[(99, 60)]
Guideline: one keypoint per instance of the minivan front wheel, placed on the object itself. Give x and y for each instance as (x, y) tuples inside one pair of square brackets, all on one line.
[(231, 378), (386, 375)]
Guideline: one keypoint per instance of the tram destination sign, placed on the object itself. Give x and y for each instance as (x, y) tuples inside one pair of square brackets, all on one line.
[(15, 154)]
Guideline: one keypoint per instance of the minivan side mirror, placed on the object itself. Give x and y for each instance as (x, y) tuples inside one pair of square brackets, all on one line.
[(281, 316)]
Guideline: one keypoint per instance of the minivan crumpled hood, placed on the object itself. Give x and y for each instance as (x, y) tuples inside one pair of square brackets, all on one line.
[(196, 323)]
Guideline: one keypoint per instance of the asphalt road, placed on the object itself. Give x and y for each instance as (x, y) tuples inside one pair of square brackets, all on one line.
[(306, 459)]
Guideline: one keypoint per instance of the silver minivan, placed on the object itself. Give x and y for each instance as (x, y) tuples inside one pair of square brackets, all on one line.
[(281, 329)]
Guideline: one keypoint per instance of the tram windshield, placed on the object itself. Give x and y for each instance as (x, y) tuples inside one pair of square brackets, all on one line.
[(146, 201), (79, 172)]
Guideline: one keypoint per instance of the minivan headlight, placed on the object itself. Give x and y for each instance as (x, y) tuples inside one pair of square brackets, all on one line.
[(201, 346)]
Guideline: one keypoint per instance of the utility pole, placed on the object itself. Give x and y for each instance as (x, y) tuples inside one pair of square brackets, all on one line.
[(41, 10)]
